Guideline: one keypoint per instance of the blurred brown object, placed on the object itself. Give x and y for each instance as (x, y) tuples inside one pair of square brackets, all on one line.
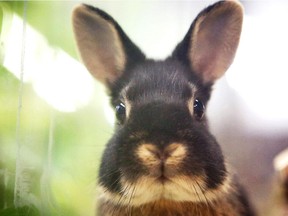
[(281, 167)]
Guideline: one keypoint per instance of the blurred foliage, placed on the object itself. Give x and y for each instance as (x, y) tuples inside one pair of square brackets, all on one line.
[(51, 18), (52, 156), (24, 211), (1, 18)]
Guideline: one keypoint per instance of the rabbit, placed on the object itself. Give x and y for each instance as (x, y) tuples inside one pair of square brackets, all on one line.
[(162, 159)]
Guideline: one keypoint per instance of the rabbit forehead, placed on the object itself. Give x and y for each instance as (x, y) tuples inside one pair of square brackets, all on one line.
[(160, 81)]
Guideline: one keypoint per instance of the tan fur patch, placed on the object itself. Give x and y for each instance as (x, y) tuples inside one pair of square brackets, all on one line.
[(190, 102), (148, 154), (128, 103), (176, 153), (151, 156)]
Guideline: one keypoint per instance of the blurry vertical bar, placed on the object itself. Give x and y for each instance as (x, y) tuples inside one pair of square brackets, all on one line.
[(18, 198), (2, 167), (2, 187)]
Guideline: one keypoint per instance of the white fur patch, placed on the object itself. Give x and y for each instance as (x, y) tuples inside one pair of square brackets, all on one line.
[(180, 188)]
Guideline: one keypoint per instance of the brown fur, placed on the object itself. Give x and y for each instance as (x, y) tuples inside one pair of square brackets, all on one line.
[(225, 206)]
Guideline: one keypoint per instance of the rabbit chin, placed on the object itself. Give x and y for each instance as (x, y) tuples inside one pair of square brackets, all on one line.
[(179, 189)]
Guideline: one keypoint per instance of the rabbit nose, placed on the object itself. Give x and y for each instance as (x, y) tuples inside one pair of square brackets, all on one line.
[(161, 161)]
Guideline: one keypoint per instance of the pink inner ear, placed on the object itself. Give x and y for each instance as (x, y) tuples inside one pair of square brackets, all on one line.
[(99, 45), (215, 40)]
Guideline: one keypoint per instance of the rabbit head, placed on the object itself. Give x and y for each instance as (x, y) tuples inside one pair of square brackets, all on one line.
[(161, 148)]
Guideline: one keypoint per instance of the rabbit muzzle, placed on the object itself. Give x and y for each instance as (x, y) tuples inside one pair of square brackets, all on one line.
[(161, 164), (162, 155)]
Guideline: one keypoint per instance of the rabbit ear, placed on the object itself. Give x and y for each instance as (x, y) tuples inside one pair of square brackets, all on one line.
[(104, 48), (212, 40)]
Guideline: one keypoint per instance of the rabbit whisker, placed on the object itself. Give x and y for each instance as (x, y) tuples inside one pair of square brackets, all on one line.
[(122, 195), (207, 202), (197, 209), (130, 199), (106, 175), (107, 189), (185, 188)]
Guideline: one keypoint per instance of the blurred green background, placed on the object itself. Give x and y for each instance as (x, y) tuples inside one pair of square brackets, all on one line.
[(48, 155)]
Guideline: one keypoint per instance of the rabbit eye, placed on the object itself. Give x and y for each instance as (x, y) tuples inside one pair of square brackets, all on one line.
[(120, 112), (199, 109)]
